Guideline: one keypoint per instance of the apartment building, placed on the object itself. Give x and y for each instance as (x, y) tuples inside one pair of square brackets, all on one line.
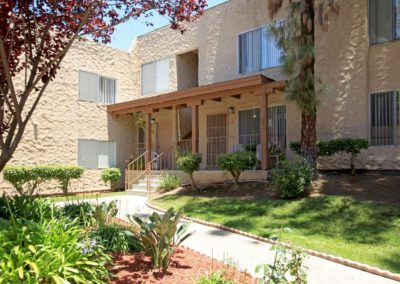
[(218, 88)]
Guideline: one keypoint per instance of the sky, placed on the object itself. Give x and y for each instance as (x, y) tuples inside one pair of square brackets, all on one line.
[(126, 32)]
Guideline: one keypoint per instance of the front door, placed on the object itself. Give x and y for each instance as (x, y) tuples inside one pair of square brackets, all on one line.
[(216, 138)]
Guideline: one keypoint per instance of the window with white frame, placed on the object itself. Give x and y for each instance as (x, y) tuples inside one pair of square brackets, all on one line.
[(155, 77), (94, 154), (96, 88), (384, 20), (385, 118), (258, 50)]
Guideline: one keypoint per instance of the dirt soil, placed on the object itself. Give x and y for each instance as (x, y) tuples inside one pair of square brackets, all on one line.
[(367, 186), (187, 266), (370, 186)]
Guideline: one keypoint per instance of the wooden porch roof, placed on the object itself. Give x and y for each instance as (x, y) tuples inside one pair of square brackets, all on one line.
[(256, 84)]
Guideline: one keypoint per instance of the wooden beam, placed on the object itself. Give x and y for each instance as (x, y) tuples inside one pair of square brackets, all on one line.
[(264, 131), (217, 99), (148, 138), (237, 97), (195, 128), (257, 84)]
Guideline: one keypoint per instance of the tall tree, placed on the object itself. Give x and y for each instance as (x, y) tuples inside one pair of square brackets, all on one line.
[(35, 36), (296, 37)]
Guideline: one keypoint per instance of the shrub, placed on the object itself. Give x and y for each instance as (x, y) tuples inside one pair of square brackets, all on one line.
[(160, 236), (287, 262), (116, 238), (27, 208), (64, 174), (170, 182), (49, 251), (189, 163), (26, 179), (84, 212), (215, 278), (352, 146), (112, 176), (236, 163), (293, 179)]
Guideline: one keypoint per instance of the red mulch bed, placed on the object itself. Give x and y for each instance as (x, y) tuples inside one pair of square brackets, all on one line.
[(187, 266)]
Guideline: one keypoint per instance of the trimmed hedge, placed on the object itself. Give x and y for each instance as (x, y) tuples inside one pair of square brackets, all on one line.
[(111, 175), (352, 146), (236, 163), (26, 179), (189, 164)]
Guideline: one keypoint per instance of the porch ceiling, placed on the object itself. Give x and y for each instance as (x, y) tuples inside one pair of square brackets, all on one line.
[(256, 84)]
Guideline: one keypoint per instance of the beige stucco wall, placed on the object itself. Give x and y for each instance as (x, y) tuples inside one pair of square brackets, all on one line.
[(351, 70), (61, 118), (348, 66)]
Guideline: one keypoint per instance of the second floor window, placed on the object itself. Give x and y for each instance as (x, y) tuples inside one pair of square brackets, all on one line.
[(384, 20), (97, 88), (258, 50), (155, 77)]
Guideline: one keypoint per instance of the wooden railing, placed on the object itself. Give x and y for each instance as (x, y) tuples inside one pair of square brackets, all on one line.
[(135, 170), (155, 164)]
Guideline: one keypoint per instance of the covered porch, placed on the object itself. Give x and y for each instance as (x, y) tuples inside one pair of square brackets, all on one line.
[(212, 120)]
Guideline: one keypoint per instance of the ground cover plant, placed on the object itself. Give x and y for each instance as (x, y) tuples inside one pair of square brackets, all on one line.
[(358, 230), (47, 247), (170, 182)]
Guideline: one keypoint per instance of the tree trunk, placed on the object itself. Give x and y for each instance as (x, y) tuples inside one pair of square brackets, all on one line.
[(194, 186), (352, 164), (309, 139), (235, 182)]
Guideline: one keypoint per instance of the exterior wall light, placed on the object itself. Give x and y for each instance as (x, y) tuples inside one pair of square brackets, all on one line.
[(153, 121), (231, 110)]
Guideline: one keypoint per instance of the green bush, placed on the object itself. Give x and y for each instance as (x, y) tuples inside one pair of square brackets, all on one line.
[(26, 179), (84, 212), (49, 251), (160, 236), (27, 207), (293, 179), (215, 278), (170, 182), (64, 174), (236, 163), (115, 238), (112, 176), (287, 262), (189, 163), (352, 146)]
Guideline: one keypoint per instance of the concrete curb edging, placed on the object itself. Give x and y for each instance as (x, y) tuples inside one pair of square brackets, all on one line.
[(336, 259)]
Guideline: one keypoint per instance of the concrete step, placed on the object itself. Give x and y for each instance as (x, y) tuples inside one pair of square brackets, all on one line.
[(136, 192)]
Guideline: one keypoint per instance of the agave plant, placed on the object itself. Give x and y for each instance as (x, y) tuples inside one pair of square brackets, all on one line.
[(161, 235)]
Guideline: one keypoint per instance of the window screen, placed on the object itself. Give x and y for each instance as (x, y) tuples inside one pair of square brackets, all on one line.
[(95, 154)]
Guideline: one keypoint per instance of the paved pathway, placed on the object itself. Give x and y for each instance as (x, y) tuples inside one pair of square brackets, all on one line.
[(247, 252)]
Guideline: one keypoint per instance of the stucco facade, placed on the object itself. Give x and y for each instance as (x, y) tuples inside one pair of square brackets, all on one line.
[(207, 53)]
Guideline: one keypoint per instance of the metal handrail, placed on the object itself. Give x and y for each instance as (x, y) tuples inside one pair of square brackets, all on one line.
[(149, 169), (131, 176)]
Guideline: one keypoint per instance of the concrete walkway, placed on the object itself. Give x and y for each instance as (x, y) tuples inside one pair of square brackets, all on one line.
[(247, 253)]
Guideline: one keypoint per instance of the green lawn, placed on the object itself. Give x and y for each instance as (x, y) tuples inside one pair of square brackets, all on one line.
[(85, 196), (367, 232)]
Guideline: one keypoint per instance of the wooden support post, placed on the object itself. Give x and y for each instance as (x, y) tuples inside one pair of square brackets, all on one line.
[(148, 138), (264, 119), (195, 128)]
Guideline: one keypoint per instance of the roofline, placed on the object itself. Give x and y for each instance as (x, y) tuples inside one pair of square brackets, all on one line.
[(167, 26)]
